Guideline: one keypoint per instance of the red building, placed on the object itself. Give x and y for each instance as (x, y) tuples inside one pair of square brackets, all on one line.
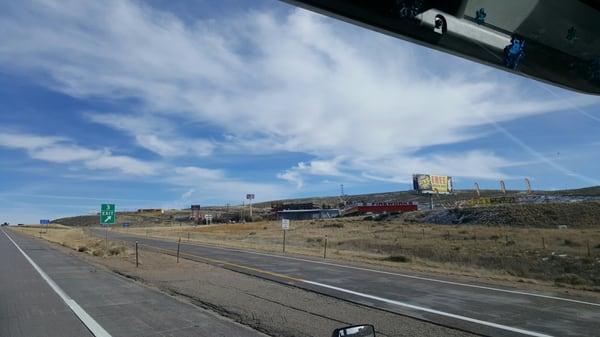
[(380, 208)]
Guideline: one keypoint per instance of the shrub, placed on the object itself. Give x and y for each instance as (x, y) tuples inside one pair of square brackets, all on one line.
[(397, 258), (333, 225), (571, 279), (82, 249), (116, 250), (571, 243)]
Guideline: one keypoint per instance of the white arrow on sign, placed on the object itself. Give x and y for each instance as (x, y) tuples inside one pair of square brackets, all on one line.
[(108, 217)]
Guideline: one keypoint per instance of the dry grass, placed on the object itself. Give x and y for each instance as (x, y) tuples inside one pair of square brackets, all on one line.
[(496, 252), (76, 239)]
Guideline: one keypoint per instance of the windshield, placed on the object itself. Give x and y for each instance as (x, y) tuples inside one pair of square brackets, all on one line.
[(291, 168)]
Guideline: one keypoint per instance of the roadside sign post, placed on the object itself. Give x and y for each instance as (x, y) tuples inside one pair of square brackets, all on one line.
[(108, 217), (178, 245), (208, 218), (136, 255), (325, 250), (45, 222), (285, 225)]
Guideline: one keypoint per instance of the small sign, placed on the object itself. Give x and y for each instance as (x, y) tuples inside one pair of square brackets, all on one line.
[(249, 196), (285, 224), (107, 214), (44, 222), (208, 216), (125, 224)]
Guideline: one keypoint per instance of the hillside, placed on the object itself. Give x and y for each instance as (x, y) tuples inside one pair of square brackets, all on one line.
[(547, 215), (412, 196)]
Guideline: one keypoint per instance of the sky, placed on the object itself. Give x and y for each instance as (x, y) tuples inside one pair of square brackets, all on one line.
[(160, 103)]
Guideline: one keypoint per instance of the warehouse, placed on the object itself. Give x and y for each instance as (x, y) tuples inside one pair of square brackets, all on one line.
[(308, 214), (379, 208)]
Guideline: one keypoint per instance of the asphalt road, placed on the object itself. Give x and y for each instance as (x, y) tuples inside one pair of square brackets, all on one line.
[(486, 310), (94, 302)]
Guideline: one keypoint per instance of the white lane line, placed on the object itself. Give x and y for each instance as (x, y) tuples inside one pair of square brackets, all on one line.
[(408, 276), (85, 318), (432, 311)]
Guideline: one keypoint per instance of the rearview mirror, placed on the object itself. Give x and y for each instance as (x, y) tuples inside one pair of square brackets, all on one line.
[(366, 330)]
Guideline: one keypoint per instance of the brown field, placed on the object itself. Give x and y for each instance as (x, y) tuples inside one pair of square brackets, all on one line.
[(76, 239), (557, 256)]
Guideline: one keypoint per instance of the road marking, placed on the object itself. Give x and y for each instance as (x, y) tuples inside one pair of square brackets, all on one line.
[(400, 274), (517, 292), (217, 261), (398, 303), (430, 279), (85, 318), (432, 311), (391, 273)]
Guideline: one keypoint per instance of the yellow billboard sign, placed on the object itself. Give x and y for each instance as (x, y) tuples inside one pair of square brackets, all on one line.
[(426, 183)]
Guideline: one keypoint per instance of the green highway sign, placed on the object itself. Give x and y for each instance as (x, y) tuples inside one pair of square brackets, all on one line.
[(108, 215)]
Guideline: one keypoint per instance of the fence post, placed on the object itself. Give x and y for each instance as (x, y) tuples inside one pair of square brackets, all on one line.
[(423, 233), (589, 252), (325, 251), (137, 263), (284, 240), (188, 236), (543, 243), (178, 245)]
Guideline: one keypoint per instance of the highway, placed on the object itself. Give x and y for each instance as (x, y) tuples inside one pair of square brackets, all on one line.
[(47, 293), (478, 308)]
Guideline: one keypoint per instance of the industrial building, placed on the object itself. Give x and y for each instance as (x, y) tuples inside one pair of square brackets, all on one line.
[(308, 214), (378, 208)]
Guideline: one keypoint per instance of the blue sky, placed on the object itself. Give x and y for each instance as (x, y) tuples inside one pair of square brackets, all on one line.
[(168, 103)]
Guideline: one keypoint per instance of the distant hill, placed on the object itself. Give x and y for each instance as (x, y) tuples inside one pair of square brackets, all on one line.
[(412, 196), (543, 209)]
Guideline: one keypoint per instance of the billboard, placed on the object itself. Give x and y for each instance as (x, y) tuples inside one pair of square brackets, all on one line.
[(426, 183), (195, 212)]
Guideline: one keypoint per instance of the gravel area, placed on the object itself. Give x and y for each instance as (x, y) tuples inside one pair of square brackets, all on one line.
[(270, 307)]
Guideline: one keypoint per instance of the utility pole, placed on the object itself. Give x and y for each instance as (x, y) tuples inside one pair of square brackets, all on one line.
[(342, 195), (250, 197)]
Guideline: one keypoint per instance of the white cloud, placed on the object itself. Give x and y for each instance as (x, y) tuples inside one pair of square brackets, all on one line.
[(26, 141), (154, 134), (64, 153), (212, 184), (62, 150), (293, 177), (124, 164), (298, 83), (187, 194)]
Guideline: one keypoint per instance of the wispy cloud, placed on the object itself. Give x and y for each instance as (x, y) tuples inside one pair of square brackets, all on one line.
[(272, 83), (62, 150), (154, 134)]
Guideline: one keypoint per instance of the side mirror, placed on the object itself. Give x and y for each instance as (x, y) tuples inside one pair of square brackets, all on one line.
[(366, 330)]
